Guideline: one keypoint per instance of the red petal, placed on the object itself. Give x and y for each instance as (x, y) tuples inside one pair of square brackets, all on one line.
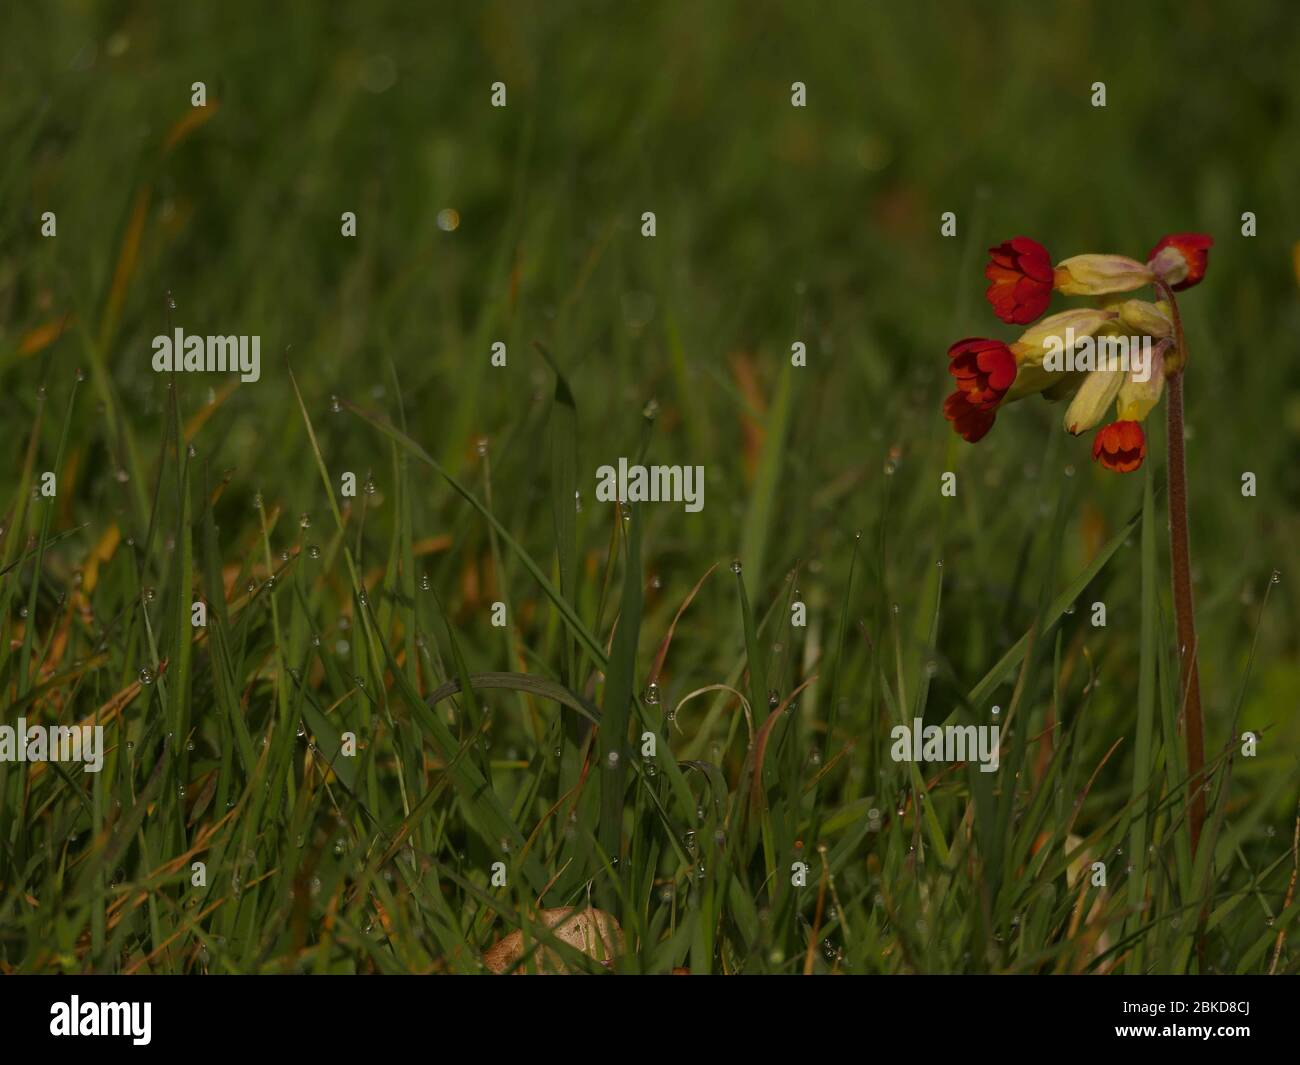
[(1195, 248), (1120, 446)]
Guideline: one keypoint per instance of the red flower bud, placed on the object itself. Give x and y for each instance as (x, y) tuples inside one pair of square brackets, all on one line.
[(1020, 280), (1181, 259), (1120, 446), (968, 422), (984, 370)]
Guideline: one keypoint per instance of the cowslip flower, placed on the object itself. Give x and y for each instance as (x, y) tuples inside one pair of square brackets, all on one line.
[(1020, 280), (1119, 353), (1086, 357)]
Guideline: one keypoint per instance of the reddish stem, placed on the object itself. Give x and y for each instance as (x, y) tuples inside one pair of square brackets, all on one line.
[(1180, 557)]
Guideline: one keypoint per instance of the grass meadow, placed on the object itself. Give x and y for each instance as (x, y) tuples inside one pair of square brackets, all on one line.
[(770, 831)]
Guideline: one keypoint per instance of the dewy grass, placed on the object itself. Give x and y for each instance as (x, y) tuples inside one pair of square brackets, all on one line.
[(384, 686)]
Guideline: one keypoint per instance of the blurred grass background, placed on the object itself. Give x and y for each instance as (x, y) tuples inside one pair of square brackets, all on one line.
[(522, 224)]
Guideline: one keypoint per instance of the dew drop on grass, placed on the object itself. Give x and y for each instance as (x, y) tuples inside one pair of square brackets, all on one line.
[(997, 710), (424, 582), (370, 488), (257, 501), (1277, 576), (147, 595), (313, 552), (304, 520), (735, 565), (651, 694), (146, 675), (481, 446), (335, 406), (773, 699), (121, 475)]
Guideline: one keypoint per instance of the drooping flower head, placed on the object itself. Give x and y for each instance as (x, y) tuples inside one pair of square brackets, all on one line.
[(1119, 353)]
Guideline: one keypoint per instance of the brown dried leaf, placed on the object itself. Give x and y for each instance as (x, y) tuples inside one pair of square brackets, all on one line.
[(592, 931)]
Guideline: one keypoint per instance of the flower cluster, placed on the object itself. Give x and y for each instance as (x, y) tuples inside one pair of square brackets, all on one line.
[(1081, 355)]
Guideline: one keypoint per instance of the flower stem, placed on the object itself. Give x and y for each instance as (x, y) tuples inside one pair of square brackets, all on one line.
[(1180, 557)]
